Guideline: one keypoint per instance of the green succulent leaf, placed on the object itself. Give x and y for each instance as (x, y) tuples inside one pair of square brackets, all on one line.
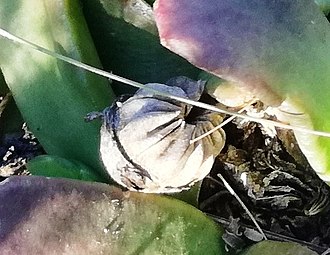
[(277, 248), (324, 5), (54, 166), (57, 216), (53, 96), (128, 45)]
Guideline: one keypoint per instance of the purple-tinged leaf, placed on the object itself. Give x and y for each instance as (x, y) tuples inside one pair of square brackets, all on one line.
[(276, 50), (41, 215), (268, 46)]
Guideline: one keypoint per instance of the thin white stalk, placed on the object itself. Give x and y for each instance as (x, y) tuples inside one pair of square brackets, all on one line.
[(327, 252), (231, 190), (112, 76), (221, 125)]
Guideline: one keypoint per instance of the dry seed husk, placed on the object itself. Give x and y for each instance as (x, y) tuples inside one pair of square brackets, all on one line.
[(145, 139)]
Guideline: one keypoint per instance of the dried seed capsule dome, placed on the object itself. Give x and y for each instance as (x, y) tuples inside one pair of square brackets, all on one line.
[(146, 139)]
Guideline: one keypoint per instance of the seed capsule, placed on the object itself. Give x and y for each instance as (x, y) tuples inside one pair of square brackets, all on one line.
[(146, 139)]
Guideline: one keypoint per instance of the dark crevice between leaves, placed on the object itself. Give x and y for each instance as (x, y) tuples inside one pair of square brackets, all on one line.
[(15, 150), (288, 200), (17, 144)]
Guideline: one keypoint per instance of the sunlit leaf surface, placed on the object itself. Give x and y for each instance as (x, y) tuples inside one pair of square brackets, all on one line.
[(41, 215), (276, 50), (53, 96)]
